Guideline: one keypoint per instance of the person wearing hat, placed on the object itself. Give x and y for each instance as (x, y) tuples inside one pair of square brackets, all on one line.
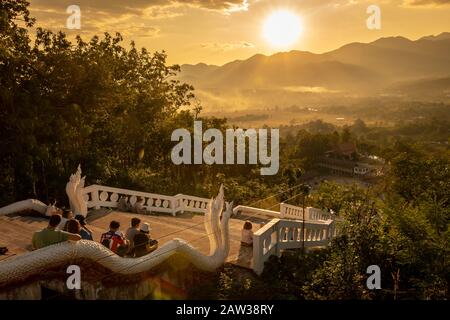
[(143, 244), (66, 216), (85, 233)]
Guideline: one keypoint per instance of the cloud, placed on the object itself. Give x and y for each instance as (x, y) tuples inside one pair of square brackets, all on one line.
[(140, 7), (140, 31), (126, 16), (220, 5), (216, 46), (98, 16), (431, 3)]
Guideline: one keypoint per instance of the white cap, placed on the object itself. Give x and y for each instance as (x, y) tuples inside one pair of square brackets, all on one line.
[(145, 227)]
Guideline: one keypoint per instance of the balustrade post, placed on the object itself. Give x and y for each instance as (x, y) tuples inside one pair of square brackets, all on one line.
[(332, 229), (277, 246), (95, 198), (258, 254), (282, 210), (180, 208), (174, 201), (332, 225)]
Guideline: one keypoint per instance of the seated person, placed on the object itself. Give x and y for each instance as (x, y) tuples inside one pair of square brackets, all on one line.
[(3, 250), (66, 216), (247, 234), (132, 231), (51, 208), (50, 235), (114, 239), (143, 244), (73, 226), (139, 206), (123, 204), (85, 233)]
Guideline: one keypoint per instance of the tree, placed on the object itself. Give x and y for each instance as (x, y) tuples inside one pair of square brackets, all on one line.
[(346, 135), (16, 65), (95, 103), (359, 126)]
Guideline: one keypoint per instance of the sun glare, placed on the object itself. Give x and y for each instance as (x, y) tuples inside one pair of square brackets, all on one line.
[(282, 28)]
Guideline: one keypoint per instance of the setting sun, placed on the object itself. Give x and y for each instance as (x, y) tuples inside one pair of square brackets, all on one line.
[(282, 28)]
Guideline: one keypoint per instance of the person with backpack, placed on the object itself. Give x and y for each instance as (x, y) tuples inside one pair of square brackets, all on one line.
[(143, 243), (114, 239)]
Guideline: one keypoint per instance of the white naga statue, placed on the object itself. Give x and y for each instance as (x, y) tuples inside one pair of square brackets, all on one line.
[(29, 204), (74, 190), (216, 222)]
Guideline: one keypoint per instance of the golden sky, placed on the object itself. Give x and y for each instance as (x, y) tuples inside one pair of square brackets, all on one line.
[(219, 31)]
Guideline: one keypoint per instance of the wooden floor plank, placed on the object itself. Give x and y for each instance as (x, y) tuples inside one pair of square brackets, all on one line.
[(16, 232)]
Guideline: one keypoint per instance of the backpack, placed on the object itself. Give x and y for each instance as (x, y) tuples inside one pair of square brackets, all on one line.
[(107, 237)]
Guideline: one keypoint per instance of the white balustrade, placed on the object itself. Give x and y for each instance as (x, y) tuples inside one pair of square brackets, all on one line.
[(98, 196), (317, 214), (265, 244), (190, 203), (281, 234), (288, 211), (251, 210)]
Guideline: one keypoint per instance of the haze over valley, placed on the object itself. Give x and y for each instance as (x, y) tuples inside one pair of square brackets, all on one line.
[(386, 70)]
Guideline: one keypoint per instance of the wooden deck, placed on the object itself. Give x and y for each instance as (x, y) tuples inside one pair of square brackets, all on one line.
[(16, 231)]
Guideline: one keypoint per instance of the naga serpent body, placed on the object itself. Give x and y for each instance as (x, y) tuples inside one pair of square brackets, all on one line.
[(216, 224)]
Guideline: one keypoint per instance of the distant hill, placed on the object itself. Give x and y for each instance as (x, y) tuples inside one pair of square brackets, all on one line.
[(195, 73), (362, 68), (424, 88), (442, 36)]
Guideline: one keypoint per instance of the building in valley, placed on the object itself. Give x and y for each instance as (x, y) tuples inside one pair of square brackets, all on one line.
[(344, 159)]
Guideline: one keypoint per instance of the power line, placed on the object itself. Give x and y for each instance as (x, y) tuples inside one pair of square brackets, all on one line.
[(249, 205)]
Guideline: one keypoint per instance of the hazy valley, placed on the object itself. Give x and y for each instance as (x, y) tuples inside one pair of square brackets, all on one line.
[(294, 87)]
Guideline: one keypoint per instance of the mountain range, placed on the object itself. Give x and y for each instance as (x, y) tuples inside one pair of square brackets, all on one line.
[(392, 64)]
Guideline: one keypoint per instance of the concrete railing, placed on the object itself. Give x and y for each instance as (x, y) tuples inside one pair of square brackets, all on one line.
[(190, 203), (97, 196), (288, 211), (252, 211), (281, 234)]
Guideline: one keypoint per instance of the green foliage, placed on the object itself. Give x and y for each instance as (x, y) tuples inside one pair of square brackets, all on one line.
[(113, 110), (418, 242), (96, 103), (416, 176), (231, 283), (342, 276), (310, 147)]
